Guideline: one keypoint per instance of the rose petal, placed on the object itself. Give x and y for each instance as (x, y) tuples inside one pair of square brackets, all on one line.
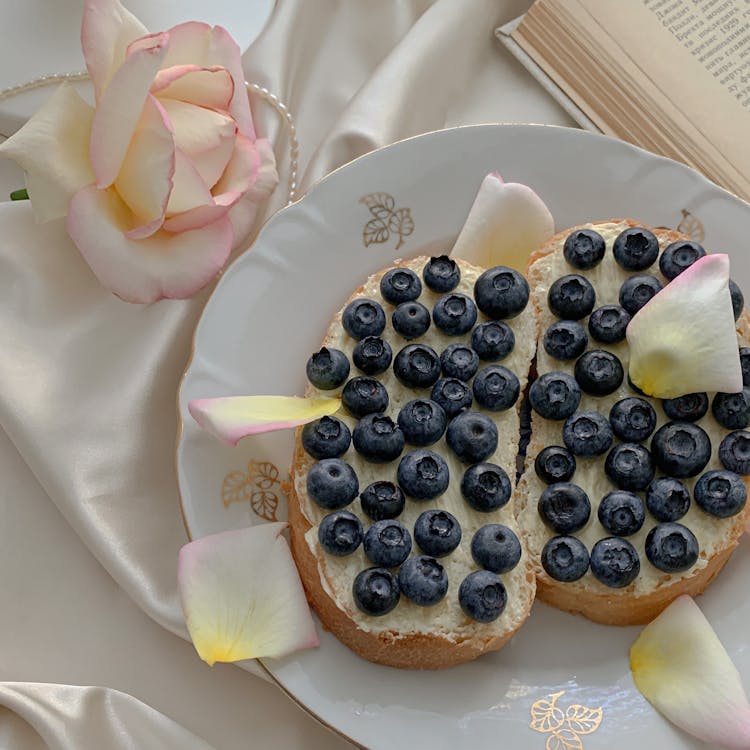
[(267, 177), (207, 137), (684, 340), (164, 265), (189, 191), (680, 666), (120, 106), (195, 218), (189, 188), (231, 418), (206, 87), (107, 30), (52, 148), (212, 163), (145, 179), (240, 174), (243, 213), (506, 223), (242, 596), (195, 43)]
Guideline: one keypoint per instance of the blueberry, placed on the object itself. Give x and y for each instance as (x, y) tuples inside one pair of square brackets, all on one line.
[(621, 513), (738, 299), (482, 596), (326, 437), (745, 364), (376, 591), (453, 396), (584, 248), (437, 532), (372, 355), (629, 466), (555, 464), (472, 437), (688, 408), (565, 339), (681, 449), (565, 558), (387, 543), (496, 548), (461, 361), (667, 499), (417, 366), (485, 487), (423, 475), (363, 395), (340, 533), (422, 421), (732, 410), (423, 580), (587, 433), (608, 323), (332, 483), (615, 562), (400, 285), (554, 395), (571, 297), (455, 314), (378, 438), (363, 317), (633, 419), (493, 340), (734, 452), (381, 500), (636, 291), (496, 388), (599, 372), (441, 274), (720, 493), (564, 507), (411, 320), (501, 292), (327, 369), (635, 249), (671, 547), (678, 256)]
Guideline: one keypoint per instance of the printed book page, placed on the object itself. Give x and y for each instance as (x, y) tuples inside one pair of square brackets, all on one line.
[(708, 44), (670, 75)]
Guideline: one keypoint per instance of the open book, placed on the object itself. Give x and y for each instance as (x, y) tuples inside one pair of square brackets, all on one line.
[(672, 76)]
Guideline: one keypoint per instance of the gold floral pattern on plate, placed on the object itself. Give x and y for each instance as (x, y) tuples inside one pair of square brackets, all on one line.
[(692, 226), (386, 221), (564, 727), (261, 486)]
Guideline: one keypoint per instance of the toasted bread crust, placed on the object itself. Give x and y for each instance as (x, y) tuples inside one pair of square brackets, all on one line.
[(621, 606), (614, 609), (404, 650), (410, 650)]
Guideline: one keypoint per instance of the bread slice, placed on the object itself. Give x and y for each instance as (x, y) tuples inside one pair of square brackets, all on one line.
[(653, 589), (413, 636)]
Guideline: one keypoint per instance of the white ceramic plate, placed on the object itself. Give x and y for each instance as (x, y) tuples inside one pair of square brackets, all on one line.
[(270, 311)]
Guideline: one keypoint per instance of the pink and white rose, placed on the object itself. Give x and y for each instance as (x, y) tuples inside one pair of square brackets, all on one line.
[(160, 180)]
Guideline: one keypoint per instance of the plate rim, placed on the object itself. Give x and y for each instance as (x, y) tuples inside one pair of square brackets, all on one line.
[(575, 132)]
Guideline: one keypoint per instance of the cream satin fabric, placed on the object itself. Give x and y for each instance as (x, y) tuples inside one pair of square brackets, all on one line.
[(89, 382), (34, 716)]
